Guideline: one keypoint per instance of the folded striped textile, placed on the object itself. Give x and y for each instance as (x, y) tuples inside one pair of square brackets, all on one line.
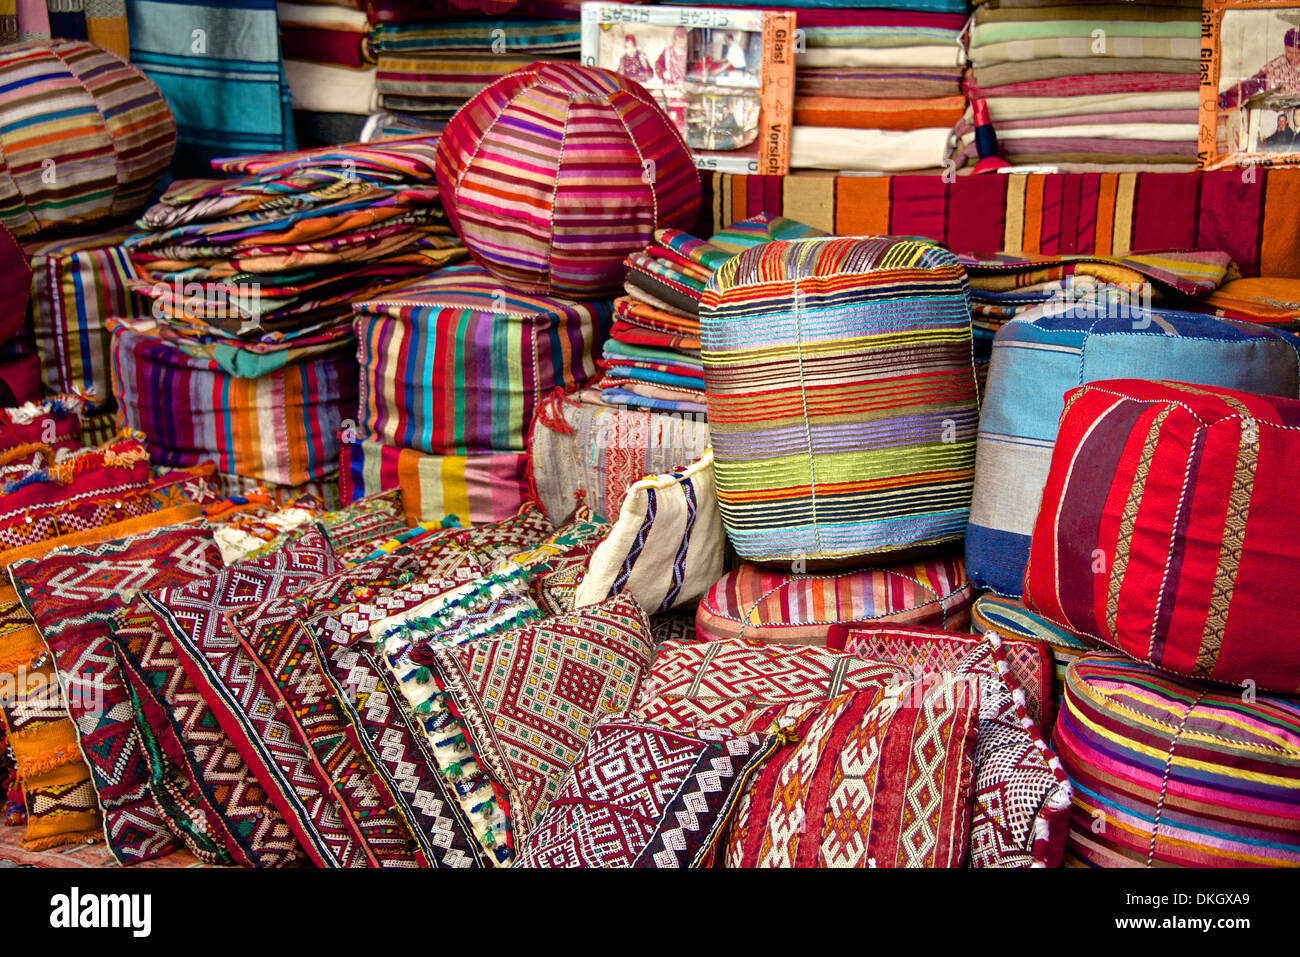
[(925, 6), (334, 35), (878, 83), (541, 38), (838, 148), (878, 114), (878, 28), (941, 55), (1095, 84), (392, 124), (1020, 71), (1181, 47), (436, 76), (103, 23), (331, 87), (222, 76)]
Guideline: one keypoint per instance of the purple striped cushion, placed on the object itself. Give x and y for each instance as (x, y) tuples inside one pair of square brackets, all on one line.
[(553, 174)]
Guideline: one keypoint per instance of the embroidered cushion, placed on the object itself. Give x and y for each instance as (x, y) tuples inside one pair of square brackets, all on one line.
[(642, 795), (923, 651), (874, 778), (72, 594), (554, 173), (768, 606), (1035, 362), (241, 696), (105, 126), (583, 452), (272, 634), (745, 686), (842, 397), (1169, 773), (529, 698), (53, 423), (667, 546), (1165, 525), (456, 364)]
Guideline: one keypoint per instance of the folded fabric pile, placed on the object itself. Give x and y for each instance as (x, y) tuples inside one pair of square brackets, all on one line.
[(429, 68), (877, 90), (104, 24), (251, 281), (1087, 86), (652, 357), (330, 67)]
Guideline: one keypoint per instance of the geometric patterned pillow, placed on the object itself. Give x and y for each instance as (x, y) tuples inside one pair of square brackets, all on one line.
[(873, 778), (642, 795), (529, 698), (1021, 806), (72, 594), (923, 651)]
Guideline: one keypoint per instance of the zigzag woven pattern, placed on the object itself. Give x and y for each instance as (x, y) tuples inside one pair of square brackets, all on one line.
[(842, 397)]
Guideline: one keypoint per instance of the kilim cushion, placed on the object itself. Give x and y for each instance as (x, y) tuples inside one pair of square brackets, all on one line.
[(54, 423), (281, 427), (487, 487), (923, 651), (1020, 808), (1035, 362), (643, 795), (842, 397), (478, 610), (873, 778), (1168, 773), (457, 364), (247, 523), (94, 488), (667, 546), (199, 780), (72, 594), (242, 697), (381, 720), (1009, 619), (96, 122), (584, 452), (273, 635), (553, 174), (529, 698), (1167, 522), (744, 686), (353, 529), (761, 605)]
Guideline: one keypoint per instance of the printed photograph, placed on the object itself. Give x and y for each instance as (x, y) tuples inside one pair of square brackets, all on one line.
[(1259, 81)]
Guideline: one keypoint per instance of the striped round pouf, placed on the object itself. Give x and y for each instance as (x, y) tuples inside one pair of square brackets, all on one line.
[(553, 174), (1167, 773), (84, 136)]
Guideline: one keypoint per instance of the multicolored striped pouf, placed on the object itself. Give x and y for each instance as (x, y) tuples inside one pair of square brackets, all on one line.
[(842, 397), (281, 428), (1172, 774), (553, 174), (83, 136), (457, 364), (756, 604)]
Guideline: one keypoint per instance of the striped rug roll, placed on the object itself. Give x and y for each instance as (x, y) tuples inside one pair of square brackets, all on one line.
[(457, 364), (1167, 773), (553, 174), (757, 604), (280, 428), (83, 136), (842, 397), (477, 489)]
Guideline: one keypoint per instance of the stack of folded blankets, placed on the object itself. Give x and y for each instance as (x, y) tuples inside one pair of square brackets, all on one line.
[(251, 281), (331, 69), (1087, 86), (652, 357), (877, 90), (429, 67)]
